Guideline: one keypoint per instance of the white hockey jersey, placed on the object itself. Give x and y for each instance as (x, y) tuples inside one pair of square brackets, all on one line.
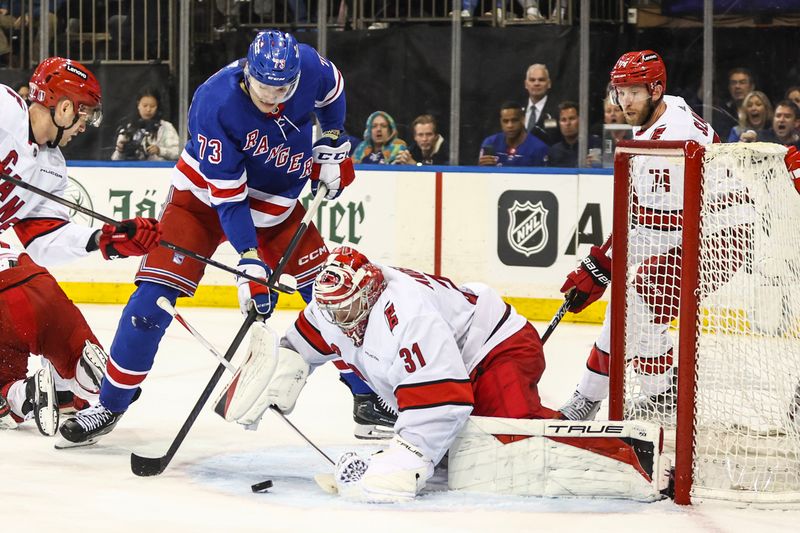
[(424, 337), (42, 225), (658, 180)]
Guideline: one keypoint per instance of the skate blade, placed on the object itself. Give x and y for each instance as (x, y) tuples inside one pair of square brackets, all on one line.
[(64, 444), (371, 432), (46, 414)]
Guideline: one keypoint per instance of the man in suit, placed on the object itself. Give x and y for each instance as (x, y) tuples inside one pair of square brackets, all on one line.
[(541, 111)]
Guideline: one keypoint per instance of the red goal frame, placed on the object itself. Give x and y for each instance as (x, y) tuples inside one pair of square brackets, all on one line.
[(693, 153)]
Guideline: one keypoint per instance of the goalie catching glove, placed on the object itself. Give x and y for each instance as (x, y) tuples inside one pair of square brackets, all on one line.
[(136, 236), (332, 164), (396, 474), (270, 375), (589, 280)]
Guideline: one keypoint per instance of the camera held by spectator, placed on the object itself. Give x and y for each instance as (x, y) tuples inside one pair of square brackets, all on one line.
[(134, 139)]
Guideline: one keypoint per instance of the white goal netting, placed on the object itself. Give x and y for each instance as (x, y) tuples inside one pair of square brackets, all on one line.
[(747, 440)]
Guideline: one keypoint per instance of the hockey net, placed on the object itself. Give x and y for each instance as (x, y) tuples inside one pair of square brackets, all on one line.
[(706, 310)]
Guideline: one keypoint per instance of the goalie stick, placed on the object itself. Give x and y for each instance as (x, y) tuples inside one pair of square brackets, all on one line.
[(166, 244), (567, 301), (164, 304), (153, 466)]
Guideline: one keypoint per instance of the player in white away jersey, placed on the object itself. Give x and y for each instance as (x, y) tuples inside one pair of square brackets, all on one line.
[(433, 351), (639, 81), (35, 315)]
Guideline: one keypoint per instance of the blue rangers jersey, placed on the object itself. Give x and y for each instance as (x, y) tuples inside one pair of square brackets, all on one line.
[(249, 165)]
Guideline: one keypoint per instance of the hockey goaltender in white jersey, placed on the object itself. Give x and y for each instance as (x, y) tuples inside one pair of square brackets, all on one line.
[(437, 353)]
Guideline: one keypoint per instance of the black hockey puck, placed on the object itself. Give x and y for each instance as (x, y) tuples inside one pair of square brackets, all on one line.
[(262, 487)]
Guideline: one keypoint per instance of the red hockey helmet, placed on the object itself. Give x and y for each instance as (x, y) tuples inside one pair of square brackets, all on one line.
[(347, 288), (639, 68), (57, 78)]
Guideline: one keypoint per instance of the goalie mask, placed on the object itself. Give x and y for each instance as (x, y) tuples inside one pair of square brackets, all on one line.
[(346, 289)]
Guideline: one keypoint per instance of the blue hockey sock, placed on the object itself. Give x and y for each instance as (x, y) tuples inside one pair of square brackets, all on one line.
[(139, 332), (356, 384)]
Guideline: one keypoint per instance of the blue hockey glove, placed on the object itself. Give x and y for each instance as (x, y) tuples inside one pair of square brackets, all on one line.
[(251, 293)]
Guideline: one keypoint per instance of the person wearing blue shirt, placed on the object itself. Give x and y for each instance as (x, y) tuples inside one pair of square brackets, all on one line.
[(565, 152), (512, 147)]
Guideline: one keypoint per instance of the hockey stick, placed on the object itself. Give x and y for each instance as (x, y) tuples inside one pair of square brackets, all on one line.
[(166, 244), (567, 302), (152, 466), (164, 304), (559, 315)]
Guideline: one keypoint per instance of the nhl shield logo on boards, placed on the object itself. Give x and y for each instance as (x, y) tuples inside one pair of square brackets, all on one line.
[(527, 227)]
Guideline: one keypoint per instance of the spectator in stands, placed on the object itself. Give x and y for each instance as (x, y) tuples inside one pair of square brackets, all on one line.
[(514, 146), (565, 153), (541, 111), (612, 114), (785, 125), (755, 117), (793, 94), (726, 117), (22, 13), (147, 136), (530, 7), (7, 23), (380, 144), (429, 146), (612, 131)]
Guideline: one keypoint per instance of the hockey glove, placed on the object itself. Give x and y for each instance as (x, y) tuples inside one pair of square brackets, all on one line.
[(332, 164), (250, 292), (136, 236), (589, 280), (792, 161), (395, 474)]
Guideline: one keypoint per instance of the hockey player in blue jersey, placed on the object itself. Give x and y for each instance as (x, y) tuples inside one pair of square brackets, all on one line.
[(247, 159)]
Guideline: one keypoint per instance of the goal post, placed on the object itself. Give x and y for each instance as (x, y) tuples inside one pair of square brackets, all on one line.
[(705, 335)]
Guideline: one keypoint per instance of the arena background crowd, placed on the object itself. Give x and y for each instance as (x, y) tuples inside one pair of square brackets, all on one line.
[(410, 58)]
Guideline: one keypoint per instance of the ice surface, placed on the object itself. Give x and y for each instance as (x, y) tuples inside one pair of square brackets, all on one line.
[(207, 486)]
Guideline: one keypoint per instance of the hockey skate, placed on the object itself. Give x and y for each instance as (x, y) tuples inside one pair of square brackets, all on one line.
[(40, 399), (374, 419), (91, 368), (6, 420), (794, 405), (579, 407), (86, 427), (659, 405)]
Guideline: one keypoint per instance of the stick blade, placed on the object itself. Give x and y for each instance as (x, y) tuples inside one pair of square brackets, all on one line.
[(148, 466)]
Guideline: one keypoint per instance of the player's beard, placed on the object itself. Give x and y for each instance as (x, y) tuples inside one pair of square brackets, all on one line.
[(642, 117)]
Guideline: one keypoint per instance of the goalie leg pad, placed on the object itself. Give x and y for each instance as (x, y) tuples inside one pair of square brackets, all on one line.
[(270, 375), (560, 458)]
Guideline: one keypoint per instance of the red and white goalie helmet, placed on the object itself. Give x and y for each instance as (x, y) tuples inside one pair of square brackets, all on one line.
[(644, 67), (347, 288)]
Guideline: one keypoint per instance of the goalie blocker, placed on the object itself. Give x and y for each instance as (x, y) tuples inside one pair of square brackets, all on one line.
[(560, 458)]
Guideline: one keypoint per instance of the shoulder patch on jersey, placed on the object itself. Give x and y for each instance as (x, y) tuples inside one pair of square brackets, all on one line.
[(390, 316)]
